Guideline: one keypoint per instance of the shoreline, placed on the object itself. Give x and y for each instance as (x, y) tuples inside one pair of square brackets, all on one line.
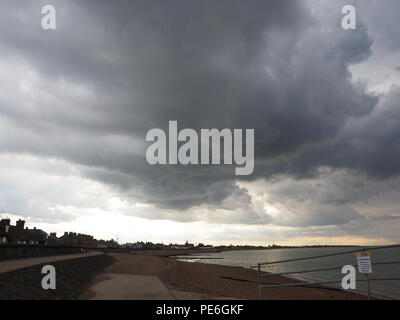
[(183, 252), (293, 279), (216, 280)]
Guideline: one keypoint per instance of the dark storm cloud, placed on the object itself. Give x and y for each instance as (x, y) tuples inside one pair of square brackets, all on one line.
[(383, 20), (113, 70), (369, 145)]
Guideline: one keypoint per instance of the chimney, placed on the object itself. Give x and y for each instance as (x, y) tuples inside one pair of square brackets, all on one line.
[(5, 222), (20, 224)]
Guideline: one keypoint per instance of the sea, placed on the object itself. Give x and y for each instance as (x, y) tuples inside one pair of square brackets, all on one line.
[(385, 289)]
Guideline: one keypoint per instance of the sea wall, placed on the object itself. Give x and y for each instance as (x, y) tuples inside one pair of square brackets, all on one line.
[(8, 252), (73, 276)]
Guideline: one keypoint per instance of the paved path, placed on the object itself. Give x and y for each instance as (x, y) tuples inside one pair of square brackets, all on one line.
[(113, 286), (129, 287), (10, 265)]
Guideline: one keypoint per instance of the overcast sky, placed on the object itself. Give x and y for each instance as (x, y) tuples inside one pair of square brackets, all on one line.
[(76, 104)]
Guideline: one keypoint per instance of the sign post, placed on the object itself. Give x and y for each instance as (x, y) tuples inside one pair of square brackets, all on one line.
[(365, 267)]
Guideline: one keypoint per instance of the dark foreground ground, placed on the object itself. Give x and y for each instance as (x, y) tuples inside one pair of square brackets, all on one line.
[(73, 276), (185, 280)]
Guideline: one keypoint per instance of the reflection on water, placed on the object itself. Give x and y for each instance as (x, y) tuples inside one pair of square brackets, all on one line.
[(248, 258)]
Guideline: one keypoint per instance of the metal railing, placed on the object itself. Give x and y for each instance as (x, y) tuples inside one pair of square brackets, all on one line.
[(262, 274)]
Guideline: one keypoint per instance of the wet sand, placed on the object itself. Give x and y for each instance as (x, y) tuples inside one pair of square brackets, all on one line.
[(215, 280)]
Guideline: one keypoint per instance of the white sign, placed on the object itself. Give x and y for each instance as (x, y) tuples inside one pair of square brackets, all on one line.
[(364, 262)]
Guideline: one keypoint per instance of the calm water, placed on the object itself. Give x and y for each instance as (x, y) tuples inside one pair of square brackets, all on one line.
[(248, 258)]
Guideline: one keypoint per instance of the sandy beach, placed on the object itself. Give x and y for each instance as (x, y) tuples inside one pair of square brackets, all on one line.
[(192, 280)]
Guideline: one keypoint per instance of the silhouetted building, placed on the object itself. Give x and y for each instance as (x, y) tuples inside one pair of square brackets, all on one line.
[(78, 240), (19, 235)]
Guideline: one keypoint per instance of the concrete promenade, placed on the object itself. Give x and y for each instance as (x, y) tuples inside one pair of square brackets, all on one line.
[(10, 265)]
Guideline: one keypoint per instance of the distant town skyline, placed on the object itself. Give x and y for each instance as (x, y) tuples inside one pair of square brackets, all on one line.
[(77, 101)]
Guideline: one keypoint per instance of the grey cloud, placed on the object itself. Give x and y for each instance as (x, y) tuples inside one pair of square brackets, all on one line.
[(386, 217), (323, 215), (112, 71), (367, 145), (381, 16)]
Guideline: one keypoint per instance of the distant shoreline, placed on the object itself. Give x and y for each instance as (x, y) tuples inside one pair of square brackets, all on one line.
[(184, 252)]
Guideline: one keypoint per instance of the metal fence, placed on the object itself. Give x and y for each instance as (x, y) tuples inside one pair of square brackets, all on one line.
[(262, 274)]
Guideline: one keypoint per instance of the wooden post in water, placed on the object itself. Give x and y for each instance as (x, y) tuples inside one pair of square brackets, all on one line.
[(259, 280)]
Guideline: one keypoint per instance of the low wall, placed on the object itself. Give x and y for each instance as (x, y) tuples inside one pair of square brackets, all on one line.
[(8, 252)]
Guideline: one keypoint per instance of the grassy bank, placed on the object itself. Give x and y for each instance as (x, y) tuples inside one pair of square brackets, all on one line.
[(72, 277)]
